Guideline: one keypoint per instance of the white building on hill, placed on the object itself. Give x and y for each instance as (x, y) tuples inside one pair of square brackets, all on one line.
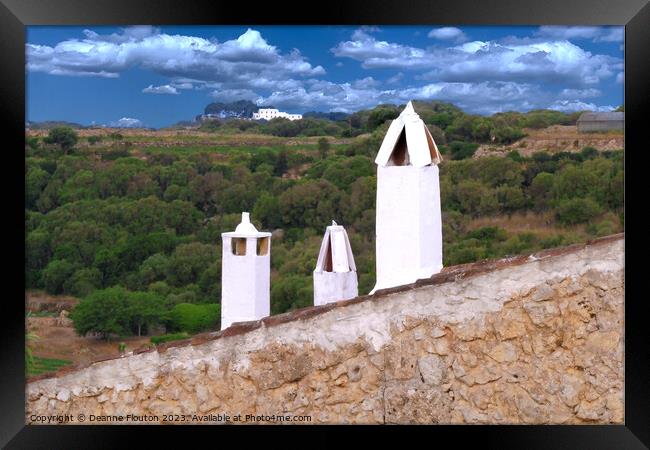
[(272, 113)]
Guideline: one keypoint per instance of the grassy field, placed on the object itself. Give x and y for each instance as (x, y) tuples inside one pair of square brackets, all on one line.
[(42, 314), (45, 365)]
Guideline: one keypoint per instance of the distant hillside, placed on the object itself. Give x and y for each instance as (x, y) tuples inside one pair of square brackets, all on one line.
[(46, 125), (241, 109), (334, 116)]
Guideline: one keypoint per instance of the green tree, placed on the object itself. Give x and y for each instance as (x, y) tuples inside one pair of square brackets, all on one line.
[(382, 114), (267, 210), (83, 282), (188, 262), (65, 137), (323, 147), (281, 164), (56, 274), (510, 198), (145, 309), (475, 198), (105, 312), (577, 210), (92, 140), (310, 204), (541, 190), (36, 180)]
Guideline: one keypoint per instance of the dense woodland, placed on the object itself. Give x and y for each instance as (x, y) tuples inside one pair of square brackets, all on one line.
[(137, 234)]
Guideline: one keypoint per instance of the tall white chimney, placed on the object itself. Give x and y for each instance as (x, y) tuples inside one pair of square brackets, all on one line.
[(335, 276), (408, 223), (245, 274)]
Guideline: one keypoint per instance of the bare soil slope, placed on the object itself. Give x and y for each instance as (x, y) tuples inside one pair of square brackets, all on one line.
[(557, 138)]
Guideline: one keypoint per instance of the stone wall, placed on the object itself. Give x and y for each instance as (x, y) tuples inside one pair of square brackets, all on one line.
[(531, 339)]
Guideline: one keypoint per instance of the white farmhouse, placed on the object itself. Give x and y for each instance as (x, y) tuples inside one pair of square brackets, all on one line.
[(335, 276), (408, 223), (272, 113), (245, 274)]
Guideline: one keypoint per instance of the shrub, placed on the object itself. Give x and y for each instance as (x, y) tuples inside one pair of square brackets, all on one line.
[(609, 225), (577, 210), (488, 234), (552, 241), (65, 137), (465, 251), (588, 153), (192, 318), (169, 337), (462, 150), (520, 243), (55, 274), (104, 312)]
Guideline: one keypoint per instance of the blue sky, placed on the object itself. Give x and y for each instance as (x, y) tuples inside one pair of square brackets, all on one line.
[(156, 76)]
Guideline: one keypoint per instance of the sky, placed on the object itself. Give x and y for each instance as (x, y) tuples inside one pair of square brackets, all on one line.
[(156, 76)]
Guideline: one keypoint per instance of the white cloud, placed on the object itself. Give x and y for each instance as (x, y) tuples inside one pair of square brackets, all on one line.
[(620, 78), (364, 31), (127, 122), (522, 60), (595, 34), (178, 57), (579, 93), (183, 85), (231, 95), (395, 78), (576, 105), (364, 83), (486, 97), (448, 34), (479, 76), (483, 98), (164, 89), (367, 49)]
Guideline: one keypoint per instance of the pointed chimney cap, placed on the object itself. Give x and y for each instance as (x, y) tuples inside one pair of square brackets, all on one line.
[(246, 228), (422, 149), (408, 109)]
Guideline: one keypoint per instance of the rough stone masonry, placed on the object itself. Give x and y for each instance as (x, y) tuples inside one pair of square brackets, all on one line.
[(531, 339)]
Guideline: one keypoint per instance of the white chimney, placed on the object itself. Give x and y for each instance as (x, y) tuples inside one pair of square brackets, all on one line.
[(245, 274), (335, 276), (408, 224)]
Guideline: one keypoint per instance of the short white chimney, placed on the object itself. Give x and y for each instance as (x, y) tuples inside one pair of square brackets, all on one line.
[(245, 274), (408, 223), (335, 276)]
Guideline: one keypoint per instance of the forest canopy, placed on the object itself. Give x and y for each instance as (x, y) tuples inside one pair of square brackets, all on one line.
[(139, 232)]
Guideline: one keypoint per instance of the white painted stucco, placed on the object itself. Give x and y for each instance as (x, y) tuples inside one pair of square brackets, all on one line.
[(339, 283), (408, 222), (245, 279), (272, 113)]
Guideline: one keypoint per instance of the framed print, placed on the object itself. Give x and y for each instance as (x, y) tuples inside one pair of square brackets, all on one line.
[(411, 214)]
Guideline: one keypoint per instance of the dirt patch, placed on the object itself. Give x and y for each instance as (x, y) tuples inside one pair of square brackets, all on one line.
[(558, 138), (38, 301), (57, 339)]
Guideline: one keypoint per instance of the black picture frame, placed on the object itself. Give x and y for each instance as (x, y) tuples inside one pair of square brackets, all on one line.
[(15, 15)]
